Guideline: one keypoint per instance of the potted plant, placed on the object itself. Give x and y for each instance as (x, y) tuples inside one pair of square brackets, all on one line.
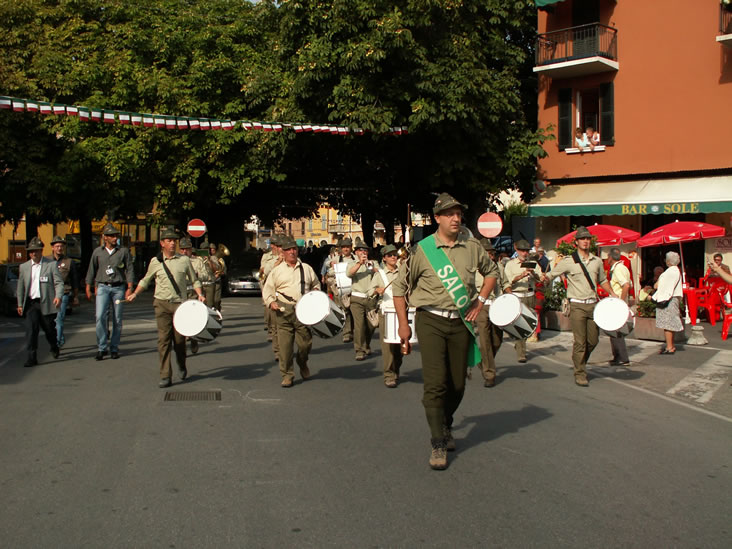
[(552, 318)]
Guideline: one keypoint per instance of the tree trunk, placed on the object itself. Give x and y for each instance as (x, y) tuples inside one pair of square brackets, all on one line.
[(87, 243), (31, 227), (367, 227)]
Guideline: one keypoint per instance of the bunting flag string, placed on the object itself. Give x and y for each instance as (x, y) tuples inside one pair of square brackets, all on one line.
[(171, 122)]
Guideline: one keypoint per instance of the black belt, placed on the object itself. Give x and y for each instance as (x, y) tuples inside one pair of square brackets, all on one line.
[(112, 283), (36, 300)]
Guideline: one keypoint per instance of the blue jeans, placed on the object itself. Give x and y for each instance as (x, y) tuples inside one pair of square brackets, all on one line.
[(60, 316), (106, 296)]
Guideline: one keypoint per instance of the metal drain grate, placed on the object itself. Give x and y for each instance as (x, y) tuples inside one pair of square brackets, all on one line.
[(188, 396)]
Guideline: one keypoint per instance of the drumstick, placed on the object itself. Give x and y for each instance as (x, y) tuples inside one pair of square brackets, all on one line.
[(118, 301)]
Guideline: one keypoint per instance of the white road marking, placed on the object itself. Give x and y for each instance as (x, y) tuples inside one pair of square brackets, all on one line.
[(701, 384)]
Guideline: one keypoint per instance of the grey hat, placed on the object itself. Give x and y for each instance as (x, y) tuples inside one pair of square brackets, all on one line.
[(522, 245), (445, 201), (487, 245), (615, 254), (345, 242), (110, 230), (57, 240), (287, 242), (204, 245), (169, 232), (185, 243), (275, 240), (388, 249), (582, 232), (211, 245), (360, 244), (34, 244)]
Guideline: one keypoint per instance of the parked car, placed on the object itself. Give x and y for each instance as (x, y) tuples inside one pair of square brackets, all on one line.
[(8, 287), (242, 277)]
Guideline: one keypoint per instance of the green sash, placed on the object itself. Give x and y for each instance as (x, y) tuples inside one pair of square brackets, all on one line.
[(450, 279)]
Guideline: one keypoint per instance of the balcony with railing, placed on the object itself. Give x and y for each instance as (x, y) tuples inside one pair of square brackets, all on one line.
[(725, 25), (577, 51)]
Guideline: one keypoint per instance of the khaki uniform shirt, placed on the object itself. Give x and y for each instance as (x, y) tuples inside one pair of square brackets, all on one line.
[(501, 284), (69, 273), (577, 285), (283, 283), (213, 260), (268, 263), (619, 277), (467, 256), (361, 279), (182, 270), (514, 269), (202, 268), (338, 258), (377, 281)]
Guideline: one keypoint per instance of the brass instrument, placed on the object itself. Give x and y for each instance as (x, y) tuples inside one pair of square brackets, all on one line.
[(217, 265)]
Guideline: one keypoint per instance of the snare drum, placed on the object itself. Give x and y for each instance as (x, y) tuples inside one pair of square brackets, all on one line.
[(613, 316), (343, 281), (391, 325), (319, 312), (512, 316), (193, 319)]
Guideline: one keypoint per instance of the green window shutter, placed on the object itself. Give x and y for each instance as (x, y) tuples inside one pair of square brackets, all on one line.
[(565, 118), (607, 114)]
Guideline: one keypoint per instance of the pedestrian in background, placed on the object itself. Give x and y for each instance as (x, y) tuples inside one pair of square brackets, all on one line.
[(70, 275), (218, 267), (39, 292), (269, 261), (111, 273), (522, 277), (172, 273), (668, 296), (204, 275)]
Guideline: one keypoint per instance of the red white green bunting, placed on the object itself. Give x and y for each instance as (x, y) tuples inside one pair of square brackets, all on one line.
[(169, 122)]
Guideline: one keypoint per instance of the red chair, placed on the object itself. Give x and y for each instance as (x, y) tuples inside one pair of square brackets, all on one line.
[(726, 309), (709, 301)]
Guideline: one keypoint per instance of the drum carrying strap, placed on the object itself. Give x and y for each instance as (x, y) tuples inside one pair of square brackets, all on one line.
[(450, 279), (577, 259)]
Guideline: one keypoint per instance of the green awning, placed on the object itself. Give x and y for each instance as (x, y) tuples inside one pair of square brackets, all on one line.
[(648, 197), (542, 3)]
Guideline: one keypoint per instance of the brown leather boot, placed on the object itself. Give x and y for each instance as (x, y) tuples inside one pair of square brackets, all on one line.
[(438, 455)]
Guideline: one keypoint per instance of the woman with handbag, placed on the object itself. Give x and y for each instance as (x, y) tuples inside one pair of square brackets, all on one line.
[(381, 287), (668, 296)]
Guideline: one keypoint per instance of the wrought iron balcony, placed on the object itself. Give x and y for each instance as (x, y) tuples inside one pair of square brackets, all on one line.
[(577, 51), (725, 26)]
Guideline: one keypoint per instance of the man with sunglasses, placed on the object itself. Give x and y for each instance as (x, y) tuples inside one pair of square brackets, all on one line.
[(584, 272)]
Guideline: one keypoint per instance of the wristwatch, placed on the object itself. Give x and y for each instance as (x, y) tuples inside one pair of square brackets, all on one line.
[(482, 299)]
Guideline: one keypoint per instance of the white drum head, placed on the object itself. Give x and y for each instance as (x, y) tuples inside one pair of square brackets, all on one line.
[(312, 308), (611, 314), (505, 310), (190, 318)]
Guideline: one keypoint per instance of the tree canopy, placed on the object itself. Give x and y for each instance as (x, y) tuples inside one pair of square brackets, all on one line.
[(456, 73)]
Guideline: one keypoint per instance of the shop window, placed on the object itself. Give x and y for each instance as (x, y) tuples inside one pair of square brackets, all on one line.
[(592, 107)]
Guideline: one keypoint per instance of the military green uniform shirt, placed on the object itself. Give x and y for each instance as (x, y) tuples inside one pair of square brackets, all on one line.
[(182, 270), (577, 285)]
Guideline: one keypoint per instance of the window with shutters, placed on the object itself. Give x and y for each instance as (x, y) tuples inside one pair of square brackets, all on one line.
[(586, 108)]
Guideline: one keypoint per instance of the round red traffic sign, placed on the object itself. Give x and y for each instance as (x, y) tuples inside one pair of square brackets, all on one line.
[(490, 224), (196, 228)]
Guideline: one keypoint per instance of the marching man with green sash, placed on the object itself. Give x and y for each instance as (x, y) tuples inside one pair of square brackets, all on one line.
[(439, 281)]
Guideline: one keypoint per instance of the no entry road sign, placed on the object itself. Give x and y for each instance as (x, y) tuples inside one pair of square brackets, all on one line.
[(196, 228), (490, 225)]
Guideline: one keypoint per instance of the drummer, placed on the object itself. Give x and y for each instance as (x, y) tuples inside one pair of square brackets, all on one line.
[(171, 272), (620, 283), (490, 335), (360, 270), (204, 274), (523, 276), (381, 285), (346, 254), (285, 285), (584, 272)]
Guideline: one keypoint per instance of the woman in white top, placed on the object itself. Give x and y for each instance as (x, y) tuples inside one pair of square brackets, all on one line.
[(668, 287)]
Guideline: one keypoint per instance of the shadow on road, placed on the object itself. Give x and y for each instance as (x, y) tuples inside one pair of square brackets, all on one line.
[(488, 427), (523, 371), (234, 372)]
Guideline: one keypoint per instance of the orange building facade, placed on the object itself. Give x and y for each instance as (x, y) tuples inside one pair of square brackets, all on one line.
[(654, 78)]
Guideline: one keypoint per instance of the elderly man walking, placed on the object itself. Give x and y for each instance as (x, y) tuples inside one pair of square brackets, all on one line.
[(39, 293)]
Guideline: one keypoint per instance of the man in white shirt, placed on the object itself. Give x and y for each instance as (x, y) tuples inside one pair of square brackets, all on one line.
[(620, 283)]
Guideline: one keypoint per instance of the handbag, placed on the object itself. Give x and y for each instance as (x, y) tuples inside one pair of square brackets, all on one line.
[(564, 306), (373, 317)]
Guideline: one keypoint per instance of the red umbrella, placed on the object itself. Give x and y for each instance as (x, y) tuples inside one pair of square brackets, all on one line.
[(680, 231), (607, 235)]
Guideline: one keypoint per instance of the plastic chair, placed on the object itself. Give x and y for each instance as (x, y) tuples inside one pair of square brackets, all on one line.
[(726, 310), (710, 301)]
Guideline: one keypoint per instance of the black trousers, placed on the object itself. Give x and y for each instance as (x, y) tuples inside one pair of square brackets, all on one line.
[(35, 319)]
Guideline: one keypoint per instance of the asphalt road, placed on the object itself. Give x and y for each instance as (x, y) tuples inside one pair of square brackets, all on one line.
[(92, 456)]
